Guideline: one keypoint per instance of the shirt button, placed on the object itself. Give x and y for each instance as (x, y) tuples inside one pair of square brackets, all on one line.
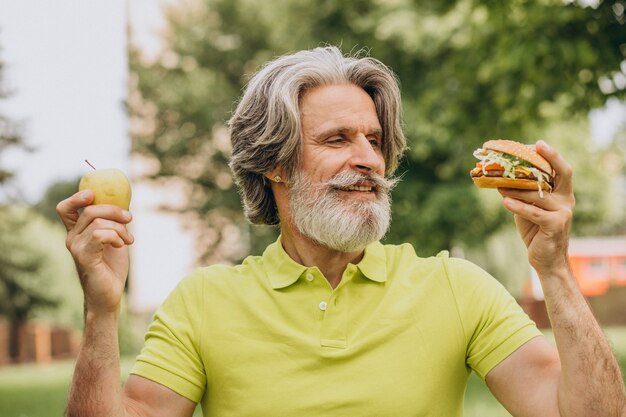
[(323, 306), (310, 277)]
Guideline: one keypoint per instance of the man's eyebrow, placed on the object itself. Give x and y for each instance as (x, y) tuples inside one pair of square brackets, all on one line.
[(376, 131)]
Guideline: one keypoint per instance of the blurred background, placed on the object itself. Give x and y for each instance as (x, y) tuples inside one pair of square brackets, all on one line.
[(146, 86)]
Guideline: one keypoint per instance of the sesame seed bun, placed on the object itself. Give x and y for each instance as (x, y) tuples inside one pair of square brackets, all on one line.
[(520, 150)]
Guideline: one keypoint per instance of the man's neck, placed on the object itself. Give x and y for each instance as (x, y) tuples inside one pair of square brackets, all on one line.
[(330, 262)]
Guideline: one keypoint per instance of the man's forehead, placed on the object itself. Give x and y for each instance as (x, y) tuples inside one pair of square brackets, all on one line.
[(338, 109)]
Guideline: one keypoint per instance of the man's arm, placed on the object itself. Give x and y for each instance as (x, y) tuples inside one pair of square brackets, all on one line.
[(97, 239), (147, 398), (586, 381), (583, 378)]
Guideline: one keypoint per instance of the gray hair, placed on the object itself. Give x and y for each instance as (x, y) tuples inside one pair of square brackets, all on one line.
[(265, 127)]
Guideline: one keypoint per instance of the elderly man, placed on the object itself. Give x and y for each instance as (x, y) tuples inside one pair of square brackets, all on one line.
[(328, 321)]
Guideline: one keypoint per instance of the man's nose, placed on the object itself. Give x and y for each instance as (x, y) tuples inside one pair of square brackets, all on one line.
[(366, 156)]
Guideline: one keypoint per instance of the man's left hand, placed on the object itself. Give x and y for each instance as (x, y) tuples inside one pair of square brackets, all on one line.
[(544, 222)]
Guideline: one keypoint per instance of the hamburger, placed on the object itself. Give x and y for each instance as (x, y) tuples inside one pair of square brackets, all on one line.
[(509, 164)]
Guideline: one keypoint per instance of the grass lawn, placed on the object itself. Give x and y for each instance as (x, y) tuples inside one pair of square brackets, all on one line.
[(41, 391)]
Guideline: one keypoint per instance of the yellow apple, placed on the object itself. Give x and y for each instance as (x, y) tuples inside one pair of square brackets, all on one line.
[(109, 186)]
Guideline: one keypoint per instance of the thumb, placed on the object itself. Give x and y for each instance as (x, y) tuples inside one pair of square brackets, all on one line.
[(68, 209)]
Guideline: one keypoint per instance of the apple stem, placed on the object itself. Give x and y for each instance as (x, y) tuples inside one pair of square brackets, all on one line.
[(88, 163)]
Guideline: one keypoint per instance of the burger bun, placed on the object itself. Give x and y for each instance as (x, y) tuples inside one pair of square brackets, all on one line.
[(502, 182), (520, 150)]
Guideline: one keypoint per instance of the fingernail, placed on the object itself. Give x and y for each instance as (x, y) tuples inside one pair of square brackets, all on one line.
[(544, 144), (84, 195), (508, 201), (126, 214)]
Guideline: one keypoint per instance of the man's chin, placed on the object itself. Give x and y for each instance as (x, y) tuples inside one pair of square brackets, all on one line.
[(362, 206), (340, 242), (341, 220)]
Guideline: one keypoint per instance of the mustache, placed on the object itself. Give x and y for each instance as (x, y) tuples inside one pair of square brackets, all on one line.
[(347, 178)]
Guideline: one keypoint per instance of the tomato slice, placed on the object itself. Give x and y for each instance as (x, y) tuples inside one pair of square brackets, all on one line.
[(490, 167)]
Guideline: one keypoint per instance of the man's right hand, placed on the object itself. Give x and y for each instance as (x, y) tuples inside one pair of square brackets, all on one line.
[(98, 240)]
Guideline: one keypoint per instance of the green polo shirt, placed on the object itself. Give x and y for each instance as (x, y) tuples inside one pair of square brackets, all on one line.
[(270, 337)]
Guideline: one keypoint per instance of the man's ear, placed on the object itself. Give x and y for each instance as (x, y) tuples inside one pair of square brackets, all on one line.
[(276, 175)]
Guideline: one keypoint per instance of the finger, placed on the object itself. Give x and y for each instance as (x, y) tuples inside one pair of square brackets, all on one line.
[(525, 211), (107, 237), (101, 211), (542, 218), (562, 169), (548, 201), (68, 208), (104, 224)]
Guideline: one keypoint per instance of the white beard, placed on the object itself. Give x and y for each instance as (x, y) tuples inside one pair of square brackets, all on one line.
[(339, 223)]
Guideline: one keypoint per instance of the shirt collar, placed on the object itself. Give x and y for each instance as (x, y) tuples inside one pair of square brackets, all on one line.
[(374, 262), (283, 271)]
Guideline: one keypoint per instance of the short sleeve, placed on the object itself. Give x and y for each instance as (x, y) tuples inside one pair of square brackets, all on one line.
[(170, 355), (493, 322)]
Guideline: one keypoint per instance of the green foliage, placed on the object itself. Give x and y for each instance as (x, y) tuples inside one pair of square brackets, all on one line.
[(57, 275), (503, 254), (21, 289), (130, 339), (23, 283), (598, 173), (37, 275), (613, 162), (56, 192), (9, 138), (469, 69)]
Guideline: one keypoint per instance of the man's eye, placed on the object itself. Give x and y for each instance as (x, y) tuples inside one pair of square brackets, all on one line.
[(335, 139), (375, 142)]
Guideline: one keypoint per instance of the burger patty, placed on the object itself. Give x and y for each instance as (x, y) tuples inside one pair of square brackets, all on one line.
[(477, 172)]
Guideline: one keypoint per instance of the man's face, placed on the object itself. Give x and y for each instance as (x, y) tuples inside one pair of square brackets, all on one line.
[(340, 132), (339, 198)]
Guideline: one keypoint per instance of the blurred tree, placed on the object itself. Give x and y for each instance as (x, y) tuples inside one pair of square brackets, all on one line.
[(9, 138), (22, 286), (469, 69), (614, 161), (57, 278), (56, 192)]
